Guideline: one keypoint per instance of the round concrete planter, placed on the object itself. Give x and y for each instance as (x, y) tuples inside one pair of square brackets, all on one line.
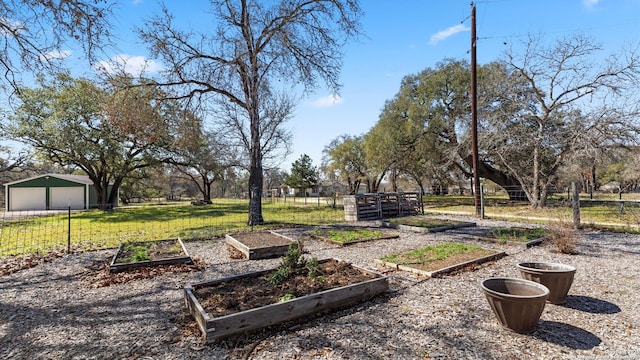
[(557, 277), (517, 303)]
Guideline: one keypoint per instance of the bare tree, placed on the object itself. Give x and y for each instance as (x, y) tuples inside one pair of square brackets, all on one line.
[(34, 31), (256, 44), (572, 102)]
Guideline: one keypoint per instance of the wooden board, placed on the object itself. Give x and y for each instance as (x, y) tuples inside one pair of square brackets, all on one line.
[(214, 329), (443, 271), (261, 252)]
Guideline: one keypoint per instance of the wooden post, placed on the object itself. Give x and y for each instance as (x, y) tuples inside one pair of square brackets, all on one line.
[(69, 228), (575, 202), (474, 114), (481, 201)]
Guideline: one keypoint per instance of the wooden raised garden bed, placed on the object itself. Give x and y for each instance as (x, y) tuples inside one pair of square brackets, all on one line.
[(259, 244), (516, 235), (344, 236), (424, 224), (149, 253), (216, 324), (428, 261)]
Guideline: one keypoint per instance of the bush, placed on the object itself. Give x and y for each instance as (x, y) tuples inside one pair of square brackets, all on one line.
[(564, 236)]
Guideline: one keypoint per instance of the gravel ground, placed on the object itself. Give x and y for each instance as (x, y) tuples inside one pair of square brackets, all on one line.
[(54, 311)]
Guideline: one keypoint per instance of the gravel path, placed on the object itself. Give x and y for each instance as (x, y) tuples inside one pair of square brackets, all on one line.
[(52, 311)]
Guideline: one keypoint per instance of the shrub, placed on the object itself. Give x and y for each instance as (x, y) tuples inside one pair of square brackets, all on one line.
[(564, 236)]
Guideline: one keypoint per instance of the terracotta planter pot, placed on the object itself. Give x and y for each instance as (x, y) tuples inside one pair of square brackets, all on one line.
[(517, 303), (557, 277)]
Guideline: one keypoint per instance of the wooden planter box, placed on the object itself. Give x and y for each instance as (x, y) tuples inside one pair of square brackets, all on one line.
[(259, 244), (421, 229), (444, 271), (214, 329), (329, 240), (525, 244), (183, 258)]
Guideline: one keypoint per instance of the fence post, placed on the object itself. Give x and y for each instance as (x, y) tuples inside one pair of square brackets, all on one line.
[(69, 232), (575, 203), (481, 201)]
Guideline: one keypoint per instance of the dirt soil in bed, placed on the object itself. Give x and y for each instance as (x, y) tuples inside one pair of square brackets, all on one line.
[(252, 292)]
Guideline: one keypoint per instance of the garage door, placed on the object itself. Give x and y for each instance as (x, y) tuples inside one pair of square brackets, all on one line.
[(61, 197), (27, 199)]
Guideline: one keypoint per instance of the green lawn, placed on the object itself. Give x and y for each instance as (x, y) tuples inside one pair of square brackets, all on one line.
[(97, 229)]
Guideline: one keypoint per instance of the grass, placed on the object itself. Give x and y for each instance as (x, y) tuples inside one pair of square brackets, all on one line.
[(431, 253), (97, 229), (517, 234), (345, 236)]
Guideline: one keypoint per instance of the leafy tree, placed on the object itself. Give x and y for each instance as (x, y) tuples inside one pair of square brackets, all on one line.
[(256, 46), (34, 31), (421, 130), (108, 133), (303, 174), (534, 114), (345, 159)]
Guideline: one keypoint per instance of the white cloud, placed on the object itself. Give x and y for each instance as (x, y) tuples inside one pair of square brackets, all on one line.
[(133, 65), (590, 3), (56, 55), (443, 34), (327, 101)]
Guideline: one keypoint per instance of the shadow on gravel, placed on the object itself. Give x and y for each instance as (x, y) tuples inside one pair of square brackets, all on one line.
[(566, 335), (590, 305)]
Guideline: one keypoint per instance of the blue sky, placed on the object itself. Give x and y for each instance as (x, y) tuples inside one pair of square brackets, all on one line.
[(403, 37)]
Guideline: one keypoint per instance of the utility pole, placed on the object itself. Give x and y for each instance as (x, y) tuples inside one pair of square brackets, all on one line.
[(474, 115)]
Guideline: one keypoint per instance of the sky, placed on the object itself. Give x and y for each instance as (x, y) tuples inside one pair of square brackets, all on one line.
[(402, 37)]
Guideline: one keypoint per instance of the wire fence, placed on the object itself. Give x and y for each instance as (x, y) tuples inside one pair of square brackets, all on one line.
[(74, 230), (41, 232)]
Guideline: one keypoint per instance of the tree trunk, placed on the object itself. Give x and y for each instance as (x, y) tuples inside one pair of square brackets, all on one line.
[(256, 178), (510, 184), (535, 190), (207, 195)]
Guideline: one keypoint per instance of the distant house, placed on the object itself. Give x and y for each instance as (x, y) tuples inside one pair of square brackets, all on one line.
[(51, 192)]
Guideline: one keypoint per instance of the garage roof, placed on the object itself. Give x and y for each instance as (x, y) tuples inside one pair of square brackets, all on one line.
[(80, 179)]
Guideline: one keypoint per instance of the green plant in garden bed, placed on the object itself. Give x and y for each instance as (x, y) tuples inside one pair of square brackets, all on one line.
[(136, 253), (291, 262), (348, 235), (432, 253), (142, 251), (517, 234), (425, 222)]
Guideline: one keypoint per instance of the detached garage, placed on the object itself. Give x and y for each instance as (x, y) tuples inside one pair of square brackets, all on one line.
[(50, 192)]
